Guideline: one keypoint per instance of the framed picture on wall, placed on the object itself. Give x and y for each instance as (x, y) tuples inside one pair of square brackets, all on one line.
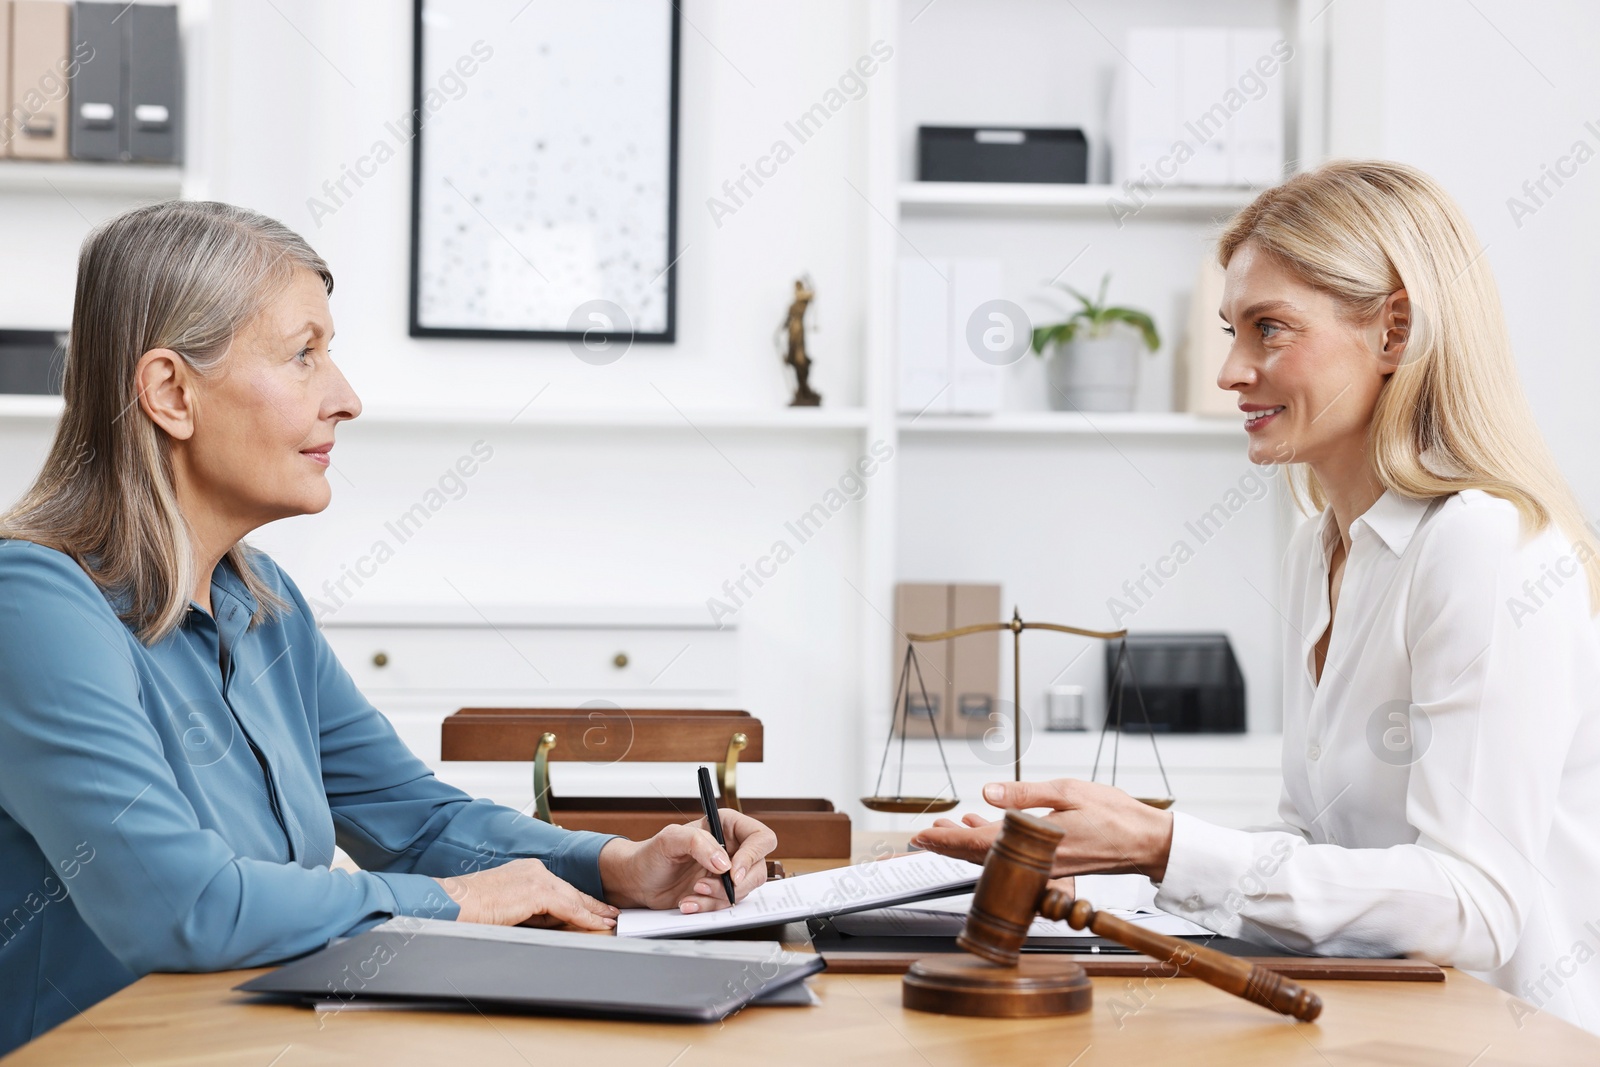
[(544, 169)]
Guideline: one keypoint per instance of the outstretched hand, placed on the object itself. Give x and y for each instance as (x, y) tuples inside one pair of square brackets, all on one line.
[(1105, 829)]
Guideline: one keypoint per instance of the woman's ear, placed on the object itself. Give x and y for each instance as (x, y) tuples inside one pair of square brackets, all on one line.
[(166, 392), (1394, 330)]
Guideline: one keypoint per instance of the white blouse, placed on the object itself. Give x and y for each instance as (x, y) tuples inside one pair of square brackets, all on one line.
[(1442, 782)]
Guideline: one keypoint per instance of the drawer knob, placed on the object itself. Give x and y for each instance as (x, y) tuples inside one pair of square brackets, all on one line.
[(380, 659), (620, 660)]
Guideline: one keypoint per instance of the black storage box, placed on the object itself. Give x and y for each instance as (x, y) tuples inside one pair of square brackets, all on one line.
[(32, 361), (1190, 682), (1001, 154)]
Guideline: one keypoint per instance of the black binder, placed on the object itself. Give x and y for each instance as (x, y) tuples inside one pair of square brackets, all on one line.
[(540, 971)]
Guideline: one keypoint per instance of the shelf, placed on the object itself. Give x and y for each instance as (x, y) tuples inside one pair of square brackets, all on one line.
[(1083, 201), (133, 179), (17, 406), (661, 418), (760, 419), (1095, 424)]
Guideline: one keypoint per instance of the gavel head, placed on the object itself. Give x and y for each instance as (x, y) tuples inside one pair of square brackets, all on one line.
[(1010, 888)]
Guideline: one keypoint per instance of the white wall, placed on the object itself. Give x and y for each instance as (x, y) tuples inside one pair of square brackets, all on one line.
[(1483, 96), (746, 68)]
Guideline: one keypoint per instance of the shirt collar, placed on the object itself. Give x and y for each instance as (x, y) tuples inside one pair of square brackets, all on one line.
[(225, 580), (1393, 517), (228, 580)]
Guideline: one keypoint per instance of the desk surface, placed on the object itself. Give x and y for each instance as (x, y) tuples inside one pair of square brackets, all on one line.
[(198, 1019)]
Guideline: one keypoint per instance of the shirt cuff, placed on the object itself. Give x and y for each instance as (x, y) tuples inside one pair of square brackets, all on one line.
[(418, 896), (1203, 867), (577, 860)]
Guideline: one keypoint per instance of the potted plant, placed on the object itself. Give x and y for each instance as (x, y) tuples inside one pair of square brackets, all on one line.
[(1094, 358)]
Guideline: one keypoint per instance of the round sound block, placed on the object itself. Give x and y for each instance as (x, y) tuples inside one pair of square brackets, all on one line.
[(966, 985)]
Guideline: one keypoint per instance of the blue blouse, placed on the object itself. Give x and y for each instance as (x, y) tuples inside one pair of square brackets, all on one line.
[(175, 807)]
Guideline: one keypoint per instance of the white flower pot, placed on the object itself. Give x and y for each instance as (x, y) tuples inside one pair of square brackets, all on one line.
[(1095, 373)]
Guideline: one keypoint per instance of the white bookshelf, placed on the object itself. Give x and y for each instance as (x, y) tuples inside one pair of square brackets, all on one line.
[(1076, 201), (29, 407), (534, 417), (779, 420), (1180, 424), (117, 179), (1015, 495)]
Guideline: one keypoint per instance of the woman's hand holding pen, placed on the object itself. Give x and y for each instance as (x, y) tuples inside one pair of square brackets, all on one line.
[(682, 866)]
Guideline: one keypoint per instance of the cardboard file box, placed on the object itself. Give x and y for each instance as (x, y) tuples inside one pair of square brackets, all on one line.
[(807, 827)]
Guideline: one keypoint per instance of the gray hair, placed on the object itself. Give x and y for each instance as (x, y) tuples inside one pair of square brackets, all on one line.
[(181, 275)]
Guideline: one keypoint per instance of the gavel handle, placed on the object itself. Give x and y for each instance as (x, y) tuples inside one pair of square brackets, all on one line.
[(1229, 973)]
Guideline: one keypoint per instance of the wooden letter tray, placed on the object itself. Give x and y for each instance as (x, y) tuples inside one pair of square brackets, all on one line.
[(807, 828)]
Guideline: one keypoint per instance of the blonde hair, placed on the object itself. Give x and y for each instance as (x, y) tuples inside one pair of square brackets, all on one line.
[(181, 275), (1361, 229)]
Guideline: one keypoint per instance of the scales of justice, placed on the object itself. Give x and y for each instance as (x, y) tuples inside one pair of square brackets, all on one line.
[(918, 805)]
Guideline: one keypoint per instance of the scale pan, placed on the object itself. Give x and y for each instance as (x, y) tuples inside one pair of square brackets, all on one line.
[(1159, 803), (910, 805)]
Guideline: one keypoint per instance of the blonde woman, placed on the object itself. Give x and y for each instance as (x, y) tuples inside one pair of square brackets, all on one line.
[(1441, 702), (179, 749)]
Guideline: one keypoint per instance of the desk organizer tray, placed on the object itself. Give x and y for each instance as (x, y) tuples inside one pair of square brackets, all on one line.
[(807, 827)]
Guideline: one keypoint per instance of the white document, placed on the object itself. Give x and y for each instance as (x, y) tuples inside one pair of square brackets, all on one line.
[(1255, 147), (923, 339), (1151, 126), (975, 383), (1203, 84), (876, 884)]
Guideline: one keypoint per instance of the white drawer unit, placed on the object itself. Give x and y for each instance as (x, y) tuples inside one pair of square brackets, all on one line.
[(419, 663), (553, 651), (613, 660)]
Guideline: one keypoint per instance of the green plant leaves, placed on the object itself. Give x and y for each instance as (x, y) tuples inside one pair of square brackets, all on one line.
[(1097, 317)]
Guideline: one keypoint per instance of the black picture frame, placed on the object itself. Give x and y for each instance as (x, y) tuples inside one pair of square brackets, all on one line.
[(415, 326)]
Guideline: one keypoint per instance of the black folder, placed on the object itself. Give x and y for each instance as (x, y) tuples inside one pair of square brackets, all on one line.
[(127, 98), (155, 92), (98, 119), (540, 971)]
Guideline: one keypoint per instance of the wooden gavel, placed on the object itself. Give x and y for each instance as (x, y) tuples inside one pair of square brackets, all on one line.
[(1012, 889)]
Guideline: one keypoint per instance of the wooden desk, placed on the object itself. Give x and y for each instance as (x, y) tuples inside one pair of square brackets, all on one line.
[(198, 1020)]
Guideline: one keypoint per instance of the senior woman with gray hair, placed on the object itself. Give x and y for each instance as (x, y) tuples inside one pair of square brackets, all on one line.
[(179, 749)]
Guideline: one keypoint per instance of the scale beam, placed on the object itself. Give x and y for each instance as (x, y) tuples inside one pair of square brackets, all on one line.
[(988, 627), (1016, 625)]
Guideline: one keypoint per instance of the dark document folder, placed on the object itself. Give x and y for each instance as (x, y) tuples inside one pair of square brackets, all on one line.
[(99, 105), (544, 971), (155, 107)]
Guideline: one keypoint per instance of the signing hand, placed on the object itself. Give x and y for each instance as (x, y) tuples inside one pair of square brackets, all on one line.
[(1106, 830), (682, 866)]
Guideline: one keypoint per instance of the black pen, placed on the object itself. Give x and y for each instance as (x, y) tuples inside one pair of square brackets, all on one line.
[(708, 800)]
